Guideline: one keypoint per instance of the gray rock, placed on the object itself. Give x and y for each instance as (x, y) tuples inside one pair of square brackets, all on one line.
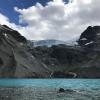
[(15, 60)]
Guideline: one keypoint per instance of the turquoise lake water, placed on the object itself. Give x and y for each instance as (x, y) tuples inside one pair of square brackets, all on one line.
[(47, 89)]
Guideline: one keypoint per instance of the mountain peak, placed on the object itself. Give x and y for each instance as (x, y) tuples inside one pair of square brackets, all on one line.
[(89, 36), (4, 29)]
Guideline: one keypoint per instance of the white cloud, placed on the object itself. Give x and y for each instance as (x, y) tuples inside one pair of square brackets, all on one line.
[(58, 20), (5, 21)]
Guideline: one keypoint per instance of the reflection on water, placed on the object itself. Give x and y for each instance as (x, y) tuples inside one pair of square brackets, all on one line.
[(47, 89)]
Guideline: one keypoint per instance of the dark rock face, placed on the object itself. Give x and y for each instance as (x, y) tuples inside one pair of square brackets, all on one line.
[(1, 62), (89, 37), (67, 55), (60, 54)]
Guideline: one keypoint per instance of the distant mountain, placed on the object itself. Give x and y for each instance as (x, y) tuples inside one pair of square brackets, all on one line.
[(48, 43), (51, 42)]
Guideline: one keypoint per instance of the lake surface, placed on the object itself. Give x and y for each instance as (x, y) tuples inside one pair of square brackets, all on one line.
[(47, 89)]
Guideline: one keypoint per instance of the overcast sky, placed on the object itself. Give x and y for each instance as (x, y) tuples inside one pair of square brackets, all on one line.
[(52, 19)]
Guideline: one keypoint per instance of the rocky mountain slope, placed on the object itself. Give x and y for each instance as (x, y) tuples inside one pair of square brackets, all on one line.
[(15, 60), (18, 59), (82, 59)]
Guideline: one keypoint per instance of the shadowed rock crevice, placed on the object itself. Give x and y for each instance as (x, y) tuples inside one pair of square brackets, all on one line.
[(1, 62)]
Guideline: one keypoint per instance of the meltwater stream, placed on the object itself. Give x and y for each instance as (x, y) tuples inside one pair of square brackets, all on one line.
[(47, 89)]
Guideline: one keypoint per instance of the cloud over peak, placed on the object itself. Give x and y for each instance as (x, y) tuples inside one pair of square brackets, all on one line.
[(57, 19)]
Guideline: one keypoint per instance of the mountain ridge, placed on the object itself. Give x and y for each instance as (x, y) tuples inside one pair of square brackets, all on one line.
[(19, 59)]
